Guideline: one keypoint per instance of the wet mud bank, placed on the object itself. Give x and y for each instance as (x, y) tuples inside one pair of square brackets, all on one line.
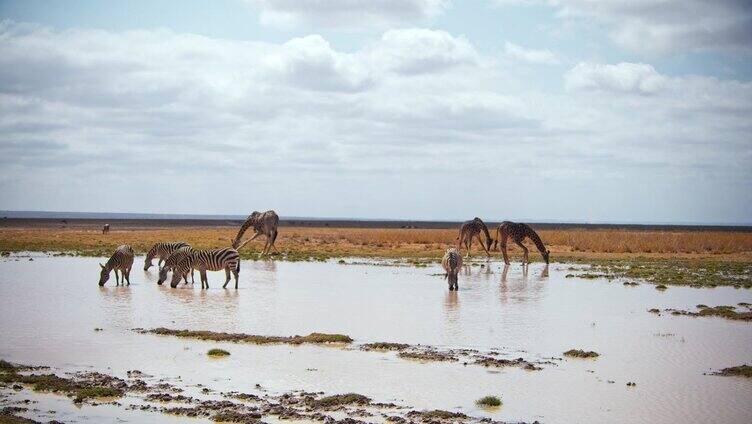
[(136, 393)]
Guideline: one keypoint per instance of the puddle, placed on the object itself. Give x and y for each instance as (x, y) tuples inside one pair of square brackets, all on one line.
[(50, 307)]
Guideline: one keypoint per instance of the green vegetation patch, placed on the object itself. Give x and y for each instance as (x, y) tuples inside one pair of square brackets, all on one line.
[(315, 338), (683, 272), (488, 401), (218, 352), (79, 390), (579, 353), (436, 415), (739, 371), (723, 311), (338, 400), (385, 346)]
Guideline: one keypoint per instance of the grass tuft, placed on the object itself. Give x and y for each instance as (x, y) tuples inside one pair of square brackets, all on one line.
[(579, 353), (218, 352), (488, 401)]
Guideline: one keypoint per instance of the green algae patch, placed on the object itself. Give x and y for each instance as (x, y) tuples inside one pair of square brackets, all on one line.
[(51, 383), (313, 338), (488, 401), (218, 353), (579, 353), (96, 392), (722, 311), (665, 272), (436, 415), (739, 371), (385, 346)]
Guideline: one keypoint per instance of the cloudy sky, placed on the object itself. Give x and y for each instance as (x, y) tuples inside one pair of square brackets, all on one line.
[(550, 110)]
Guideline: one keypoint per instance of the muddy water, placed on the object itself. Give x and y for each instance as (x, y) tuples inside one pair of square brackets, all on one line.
[(49, 308)]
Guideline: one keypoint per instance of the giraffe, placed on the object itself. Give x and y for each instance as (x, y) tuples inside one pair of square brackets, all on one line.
[(473, 228), (518, 232), (265, 223)]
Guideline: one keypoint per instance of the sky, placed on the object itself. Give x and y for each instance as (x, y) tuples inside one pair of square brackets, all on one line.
[(621, 111)]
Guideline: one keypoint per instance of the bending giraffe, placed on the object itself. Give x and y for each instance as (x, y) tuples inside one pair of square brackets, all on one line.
[(471, 229), (265, 223), (518, 232)]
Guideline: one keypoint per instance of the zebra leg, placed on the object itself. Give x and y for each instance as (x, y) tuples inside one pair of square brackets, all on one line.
[(127, 275), (193, 280), (469, 245), (117, 278), (204, 279), (227, 275), (236, 274)]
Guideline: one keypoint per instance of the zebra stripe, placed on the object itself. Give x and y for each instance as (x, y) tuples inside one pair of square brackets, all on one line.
[(208, 260), (163, 251), (452, 262), (172, 260)]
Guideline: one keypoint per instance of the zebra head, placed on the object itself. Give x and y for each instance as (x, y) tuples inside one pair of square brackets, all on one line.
[(175, 278), (147, 262), (163, 275), (104, 275)]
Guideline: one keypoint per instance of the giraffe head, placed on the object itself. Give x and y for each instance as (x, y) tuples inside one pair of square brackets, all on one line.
[(545, 255)]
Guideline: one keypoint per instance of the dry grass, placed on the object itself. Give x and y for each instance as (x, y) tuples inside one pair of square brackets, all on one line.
[(389, 243)]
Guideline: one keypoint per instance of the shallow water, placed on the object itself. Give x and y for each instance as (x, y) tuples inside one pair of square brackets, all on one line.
[(50, 306)]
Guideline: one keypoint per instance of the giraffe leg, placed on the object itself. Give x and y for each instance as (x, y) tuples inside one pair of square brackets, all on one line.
[(483, 245), (524, 251), (503, 245)]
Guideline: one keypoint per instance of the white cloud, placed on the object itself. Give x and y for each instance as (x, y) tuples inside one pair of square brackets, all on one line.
[(353, 14), (623, 77), (413, 51), (545, 57), (664, 26), (185, 123)]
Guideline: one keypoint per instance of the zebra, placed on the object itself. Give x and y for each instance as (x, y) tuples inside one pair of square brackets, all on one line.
[(106, 229), (518, 232), (265, 223), (208, 260), (452, 262), (162, 250), (471, 229), (173, 260), (121, 260)]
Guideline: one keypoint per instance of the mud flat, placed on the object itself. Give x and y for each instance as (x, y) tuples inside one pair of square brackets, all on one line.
[(53, 313)]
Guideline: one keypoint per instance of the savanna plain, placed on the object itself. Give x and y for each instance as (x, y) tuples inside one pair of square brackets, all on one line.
[(357, 325)]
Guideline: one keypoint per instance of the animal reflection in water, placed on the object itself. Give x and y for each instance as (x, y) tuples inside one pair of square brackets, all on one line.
[(452, 262)]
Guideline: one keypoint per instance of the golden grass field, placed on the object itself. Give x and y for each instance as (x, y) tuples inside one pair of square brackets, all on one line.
[(299, 242)]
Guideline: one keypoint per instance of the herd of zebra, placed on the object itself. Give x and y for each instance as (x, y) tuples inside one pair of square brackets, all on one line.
[(181, 259)]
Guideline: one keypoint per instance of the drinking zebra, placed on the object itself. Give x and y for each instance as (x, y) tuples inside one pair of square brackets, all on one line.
[(452, 262), (173, 260), (121, 260), (162, 250), (208, 260)]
